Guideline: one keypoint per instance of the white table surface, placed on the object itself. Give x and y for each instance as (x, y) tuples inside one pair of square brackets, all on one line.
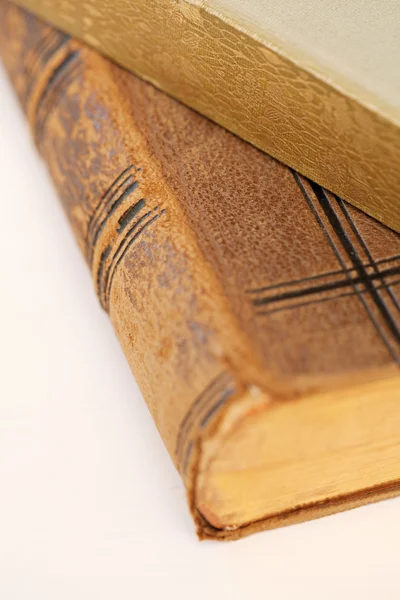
[(91, 506)]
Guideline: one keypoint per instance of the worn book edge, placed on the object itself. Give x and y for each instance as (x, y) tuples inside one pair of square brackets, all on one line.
[(233, 492)]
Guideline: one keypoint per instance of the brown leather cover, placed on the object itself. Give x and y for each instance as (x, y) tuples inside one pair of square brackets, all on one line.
[(222, 270)]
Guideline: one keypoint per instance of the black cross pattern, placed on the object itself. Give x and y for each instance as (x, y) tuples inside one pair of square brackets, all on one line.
[(371, 281)]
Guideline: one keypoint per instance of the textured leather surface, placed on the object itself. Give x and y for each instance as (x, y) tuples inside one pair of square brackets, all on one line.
[(256, 227), (222, 270), (298, 116)]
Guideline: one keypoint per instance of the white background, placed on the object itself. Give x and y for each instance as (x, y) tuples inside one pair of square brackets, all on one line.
[(90, 504)]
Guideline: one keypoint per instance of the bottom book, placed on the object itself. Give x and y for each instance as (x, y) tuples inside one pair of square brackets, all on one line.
[(259, 313)]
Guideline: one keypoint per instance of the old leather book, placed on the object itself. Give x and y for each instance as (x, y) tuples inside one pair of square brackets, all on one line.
[(315, 84), (259, 313)]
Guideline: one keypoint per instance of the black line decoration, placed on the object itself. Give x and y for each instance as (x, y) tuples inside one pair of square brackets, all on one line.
[(206, 405), (121, 251), (57, 85), (339, 257), (327, 274), (365, 248), (227, 394), (104, 255), (131, 224), (335, 285), (36, 59), (48, 46), (210, 389), (129, 214), (108, 203), (186, 456), (357, 262), (126, 192), (322, 300)]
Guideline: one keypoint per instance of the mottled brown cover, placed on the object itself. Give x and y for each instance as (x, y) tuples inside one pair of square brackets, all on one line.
[(222, 270)]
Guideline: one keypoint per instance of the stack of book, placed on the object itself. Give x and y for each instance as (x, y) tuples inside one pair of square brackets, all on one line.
[(257, 305)]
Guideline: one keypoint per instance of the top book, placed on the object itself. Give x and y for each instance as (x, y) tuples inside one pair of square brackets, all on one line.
[(312, 83)]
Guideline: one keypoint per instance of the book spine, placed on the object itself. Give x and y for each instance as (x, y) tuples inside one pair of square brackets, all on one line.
[(166, 304)]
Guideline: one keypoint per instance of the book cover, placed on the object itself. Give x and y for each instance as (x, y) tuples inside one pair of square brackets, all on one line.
[(258, 312), (312, 83)]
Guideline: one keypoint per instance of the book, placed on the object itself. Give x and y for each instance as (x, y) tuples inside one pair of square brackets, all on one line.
[(259, 313), (312, 83)]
